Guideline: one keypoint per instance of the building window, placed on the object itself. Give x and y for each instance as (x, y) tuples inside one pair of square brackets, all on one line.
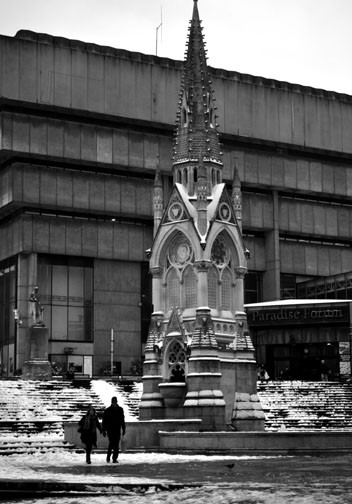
[(332, 287), (253, 290), (66, 288), (8, 273), (213, 283), (190, 287), (288, 286), (173, 283), (226, 290)]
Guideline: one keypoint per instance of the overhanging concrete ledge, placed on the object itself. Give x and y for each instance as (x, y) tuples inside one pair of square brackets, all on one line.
[(258, 443)]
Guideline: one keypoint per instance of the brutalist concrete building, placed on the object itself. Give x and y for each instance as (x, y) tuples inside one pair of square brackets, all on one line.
[(82, 130)]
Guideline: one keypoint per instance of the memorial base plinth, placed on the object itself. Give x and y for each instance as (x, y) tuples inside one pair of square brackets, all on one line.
[(37, 367), (36, 370)]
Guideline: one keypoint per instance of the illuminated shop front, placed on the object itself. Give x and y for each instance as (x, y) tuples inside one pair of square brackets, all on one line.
[(295, 338)]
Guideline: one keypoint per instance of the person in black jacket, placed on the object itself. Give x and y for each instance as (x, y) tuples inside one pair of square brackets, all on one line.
[(88, 426), (113, 423)]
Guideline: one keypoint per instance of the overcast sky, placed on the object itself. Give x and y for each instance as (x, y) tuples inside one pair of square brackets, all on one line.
[(306, 42)]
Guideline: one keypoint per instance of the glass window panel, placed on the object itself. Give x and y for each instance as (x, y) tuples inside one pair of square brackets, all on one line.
[(59, 364), (76, 285), (252, 287), (76, 323), (59, 323), (190, 286), (59, 287), (173, 284), (88, 283), (44, 282), (76, 361), (226, 290), (12, 285), (88, 318)]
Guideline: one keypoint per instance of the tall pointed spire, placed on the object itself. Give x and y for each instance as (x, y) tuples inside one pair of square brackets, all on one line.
[(196, 129), (158, 197)]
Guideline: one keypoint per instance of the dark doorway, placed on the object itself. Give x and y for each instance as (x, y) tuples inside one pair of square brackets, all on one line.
[(302, 361)]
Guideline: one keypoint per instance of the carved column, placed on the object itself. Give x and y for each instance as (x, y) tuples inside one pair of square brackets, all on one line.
[(240, 272), (202, 268)]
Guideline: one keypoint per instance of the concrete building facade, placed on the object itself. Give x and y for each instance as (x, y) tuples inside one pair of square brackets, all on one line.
[(81, 129)]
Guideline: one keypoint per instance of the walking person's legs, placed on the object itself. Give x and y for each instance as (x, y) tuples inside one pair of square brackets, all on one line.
[(115, 454), (88, 452), (110, 447)]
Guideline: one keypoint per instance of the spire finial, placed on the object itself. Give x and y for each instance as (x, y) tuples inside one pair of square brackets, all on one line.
[(196, 123)]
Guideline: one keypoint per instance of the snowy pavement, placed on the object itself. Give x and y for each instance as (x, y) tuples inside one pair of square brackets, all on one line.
[(164, 478)]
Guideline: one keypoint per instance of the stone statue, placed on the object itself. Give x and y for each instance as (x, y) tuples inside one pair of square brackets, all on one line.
[(36, 308)]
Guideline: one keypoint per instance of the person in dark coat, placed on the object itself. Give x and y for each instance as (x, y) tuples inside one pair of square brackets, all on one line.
[(88, 426), (113, 424)]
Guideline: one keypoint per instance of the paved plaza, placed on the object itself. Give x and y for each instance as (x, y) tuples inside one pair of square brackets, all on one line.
[(157, 477)]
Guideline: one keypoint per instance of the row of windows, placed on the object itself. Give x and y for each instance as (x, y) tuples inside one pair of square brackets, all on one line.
[(334, 287)]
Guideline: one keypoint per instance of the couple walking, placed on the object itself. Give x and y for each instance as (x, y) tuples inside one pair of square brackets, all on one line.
[(113, 424)]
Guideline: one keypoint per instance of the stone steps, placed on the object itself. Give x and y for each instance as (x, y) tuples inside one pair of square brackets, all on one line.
[(13, 446), (306, 405), (33, 413)]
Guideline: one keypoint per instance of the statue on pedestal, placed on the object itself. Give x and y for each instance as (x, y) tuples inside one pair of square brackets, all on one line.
[(37, 309)]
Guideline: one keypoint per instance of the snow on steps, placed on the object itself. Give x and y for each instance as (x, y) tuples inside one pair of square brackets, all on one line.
[(18, 446), (33, 413), (295, 405)]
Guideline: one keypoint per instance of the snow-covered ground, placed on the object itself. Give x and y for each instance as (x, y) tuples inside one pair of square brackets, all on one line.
[(58, 465), (69, 467)]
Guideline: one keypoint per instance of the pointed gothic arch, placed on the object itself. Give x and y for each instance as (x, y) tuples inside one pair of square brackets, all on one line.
[(174, 360), (234, 243), (179, 279), (221, 275)]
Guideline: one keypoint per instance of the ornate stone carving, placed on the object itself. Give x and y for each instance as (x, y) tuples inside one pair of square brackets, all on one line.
[(240, 271), (202, 266), (156, 272)]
